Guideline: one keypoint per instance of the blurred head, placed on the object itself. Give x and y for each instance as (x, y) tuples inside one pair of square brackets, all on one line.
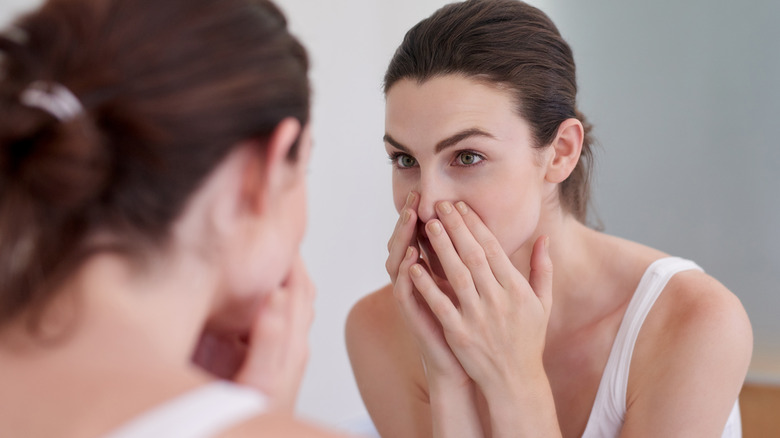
[(170, 93), (495, 81)]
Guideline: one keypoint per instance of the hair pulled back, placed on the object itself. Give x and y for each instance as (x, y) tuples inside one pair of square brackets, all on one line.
[(514, 45), (167, 89)]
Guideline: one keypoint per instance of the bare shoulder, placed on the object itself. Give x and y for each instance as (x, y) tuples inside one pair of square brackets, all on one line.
[(696, 307), (690, 359), (276, 425), (376, 328), (375, 314)]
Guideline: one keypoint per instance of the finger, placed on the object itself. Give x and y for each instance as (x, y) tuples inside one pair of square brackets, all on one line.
[(541, 277), (455, 270), (502, 268), (410, 200), (303, 314), (440, 304), (301, 288), (403, 290), (469, 250), (413, 307), (299, 311), (266, 342), (403, 235)]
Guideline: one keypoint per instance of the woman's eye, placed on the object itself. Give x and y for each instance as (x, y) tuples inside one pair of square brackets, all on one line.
[(468, 158), (404, 161)]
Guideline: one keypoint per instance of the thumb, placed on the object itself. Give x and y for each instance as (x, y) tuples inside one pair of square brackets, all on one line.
[(541, 277)]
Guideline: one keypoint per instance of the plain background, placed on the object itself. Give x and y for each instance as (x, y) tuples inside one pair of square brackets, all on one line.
[(685, 100)]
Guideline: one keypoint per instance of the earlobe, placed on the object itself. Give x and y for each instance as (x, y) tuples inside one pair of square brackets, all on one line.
[(567, 147)]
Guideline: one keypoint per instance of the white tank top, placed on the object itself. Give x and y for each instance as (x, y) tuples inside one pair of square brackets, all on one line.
[(609, 408), (201, 413)]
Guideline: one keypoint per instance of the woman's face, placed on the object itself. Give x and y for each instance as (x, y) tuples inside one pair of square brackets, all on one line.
[(260, 255), (457, 139)]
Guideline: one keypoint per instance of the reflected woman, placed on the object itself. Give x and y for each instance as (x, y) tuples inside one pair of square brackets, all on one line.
[(152, 203), (506, 315)]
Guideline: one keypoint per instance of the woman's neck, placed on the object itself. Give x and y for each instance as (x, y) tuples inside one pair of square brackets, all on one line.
[(595, 274), (580, 256), (111, 330), (109, 306)]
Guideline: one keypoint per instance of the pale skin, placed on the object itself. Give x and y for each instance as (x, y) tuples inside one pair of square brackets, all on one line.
[(231, 280), (513, 305)]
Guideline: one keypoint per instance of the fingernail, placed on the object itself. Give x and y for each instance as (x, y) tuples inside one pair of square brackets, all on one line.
[(406, 216), (410, 198), (416, 270), (434, 227), (462, 208), (445, 207), (547, 242), (409, 251)]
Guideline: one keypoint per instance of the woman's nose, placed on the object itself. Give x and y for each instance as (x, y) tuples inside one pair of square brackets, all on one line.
[(431, 192)]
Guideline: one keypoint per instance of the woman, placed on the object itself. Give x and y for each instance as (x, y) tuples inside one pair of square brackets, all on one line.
[(152, 202), (506, 315)]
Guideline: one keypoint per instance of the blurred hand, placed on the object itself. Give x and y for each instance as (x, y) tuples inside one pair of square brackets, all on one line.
[(272, 356)]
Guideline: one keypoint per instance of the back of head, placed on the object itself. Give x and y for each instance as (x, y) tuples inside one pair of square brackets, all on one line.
[(163, 91), (515, 46)]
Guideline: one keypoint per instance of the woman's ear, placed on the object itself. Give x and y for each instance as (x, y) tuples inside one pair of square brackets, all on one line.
[(266, 175), (567, 147)]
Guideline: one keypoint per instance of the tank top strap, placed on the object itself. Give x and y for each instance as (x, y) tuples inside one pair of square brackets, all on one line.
[(609, 408), (200, 413)]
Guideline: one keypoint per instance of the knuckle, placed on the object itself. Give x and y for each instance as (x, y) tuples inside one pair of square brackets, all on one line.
[(459, 338), (391, 268), (493, 249), (515, 283), (461, 280), (456, 223), (439, 307), (474, 258)]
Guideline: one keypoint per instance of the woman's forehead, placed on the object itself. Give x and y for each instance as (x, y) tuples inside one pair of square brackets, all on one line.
[(445, 106)]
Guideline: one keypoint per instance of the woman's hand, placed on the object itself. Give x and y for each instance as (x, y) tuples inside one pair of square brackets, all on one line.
[(440, 364), (497, 329), (273, 355), (451, 391)]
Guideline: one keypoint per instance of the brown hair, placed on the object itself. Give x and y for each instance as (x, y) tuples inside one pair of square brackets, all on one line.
[(513, 44), (168, 88)]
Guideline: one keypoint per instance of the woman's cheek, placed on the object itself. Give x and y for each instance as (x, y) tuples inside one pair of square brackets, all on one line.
[(401, 190)]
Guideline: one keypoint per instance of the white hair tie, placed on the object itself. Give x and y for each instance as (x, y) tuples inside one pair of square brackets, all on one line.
[(53, 98)]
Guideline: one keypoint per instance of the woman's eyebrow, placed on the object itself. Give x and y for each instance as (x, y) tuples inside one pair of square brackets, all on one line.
[(447, 142), (395, 144)]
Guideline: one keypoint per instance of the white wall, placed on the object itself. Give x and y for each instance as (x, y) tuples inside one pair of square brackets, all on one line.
[(684, 97)]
